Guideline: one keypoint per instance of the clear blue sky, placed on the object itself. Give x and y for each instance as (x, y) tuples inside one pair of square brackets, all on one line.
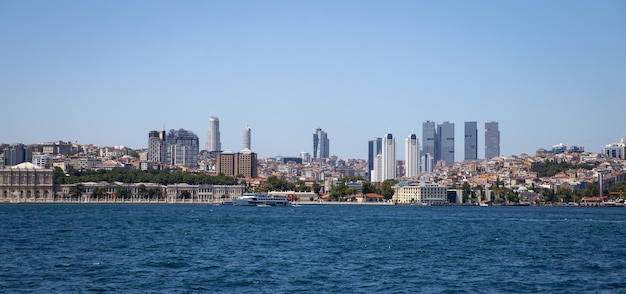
[(108, 72)]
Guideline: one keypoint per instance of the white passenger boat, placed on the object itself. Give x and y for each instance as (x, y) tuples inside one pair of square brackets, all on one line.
[(251, 199)]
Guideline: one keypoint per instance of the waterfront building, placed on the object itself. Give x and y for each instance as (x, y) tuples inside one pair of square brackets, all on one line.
[(26, 182), (213, 136), (424, 193), (157, 149), (247, 137), (430, 141), (492, 140), (616, 150), (182, 148), (471, 140), (388, 155), (375, 147), (321, 144), (446, 139), (411, 156)]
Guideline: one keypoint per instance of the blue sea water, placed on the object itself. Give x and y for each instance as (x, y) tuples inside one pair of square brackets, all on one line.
[(157, 248)]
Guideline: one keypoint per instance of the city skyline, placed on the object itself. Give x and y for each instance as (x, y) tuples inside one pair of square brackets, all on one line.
[(96, 73)]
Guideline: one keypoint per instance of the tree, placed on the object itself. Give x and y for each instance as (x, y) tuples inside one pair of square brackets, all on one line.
[(185, 194), (386, 188), (98, 193)]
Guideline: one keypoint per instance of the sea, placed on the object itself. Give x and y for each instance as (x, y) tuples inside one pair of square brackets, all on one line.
[(178, 248)]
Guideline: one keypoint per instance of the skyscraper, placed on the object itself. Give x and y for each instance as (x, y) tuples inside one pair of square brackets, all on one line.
[(492, 140), (446, 139), (320, 144), (411, 156), (471, 140), (157, 149), (430, 141), (213, 141), (247, 136), (182, 148), (374, 148), (388, 154)]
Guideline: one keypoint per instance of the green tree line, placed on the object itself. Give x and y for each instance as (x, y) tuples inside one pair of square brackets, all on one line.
[(163, 177)]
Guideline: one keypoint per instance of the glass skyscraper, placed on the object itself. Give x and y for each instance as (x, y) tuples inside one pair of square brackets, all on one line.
[(492, 140), (471, 140), (320, 144), (446, 141)]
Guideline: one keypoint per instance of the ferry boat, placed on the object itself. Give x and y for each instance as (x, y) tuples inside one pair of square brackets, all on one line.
[(252, 199)]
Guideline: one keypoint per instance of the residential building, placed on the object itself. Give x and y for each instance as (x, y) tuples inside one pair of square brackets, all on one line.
[(213, 141), (57, 148), (388, 155), (446, 139), (157, 147), (41, 160), (182, 148), (616, 150), (16, 154), (411, 156), (233, 164), (471, 140), (492, 140), (320, 144)]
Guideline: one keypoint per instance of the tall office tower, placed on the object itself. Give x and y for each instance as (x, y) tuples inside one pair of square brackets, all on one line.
[(411, 156), (182, 148), (213, 141), (374, 148), (320, 144), (157, 149), (492, 139), (388, 153), (471, 140), (247, 137), (430, 140), (446, 139)]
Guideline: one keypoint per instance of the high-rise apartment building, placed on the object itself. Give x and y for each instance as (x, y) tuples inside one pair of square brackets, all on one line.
[(471, 140), (247, 137), (182, 148), (388, 155), (374, 148), (157, 148), (411, 156), (492, 140), (321, 144), (446, 139), (213, 141), (430, 141)]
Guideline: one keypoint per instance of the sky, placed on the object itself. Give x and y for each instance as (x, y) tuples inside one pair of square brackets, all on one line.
[(108, 72)]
